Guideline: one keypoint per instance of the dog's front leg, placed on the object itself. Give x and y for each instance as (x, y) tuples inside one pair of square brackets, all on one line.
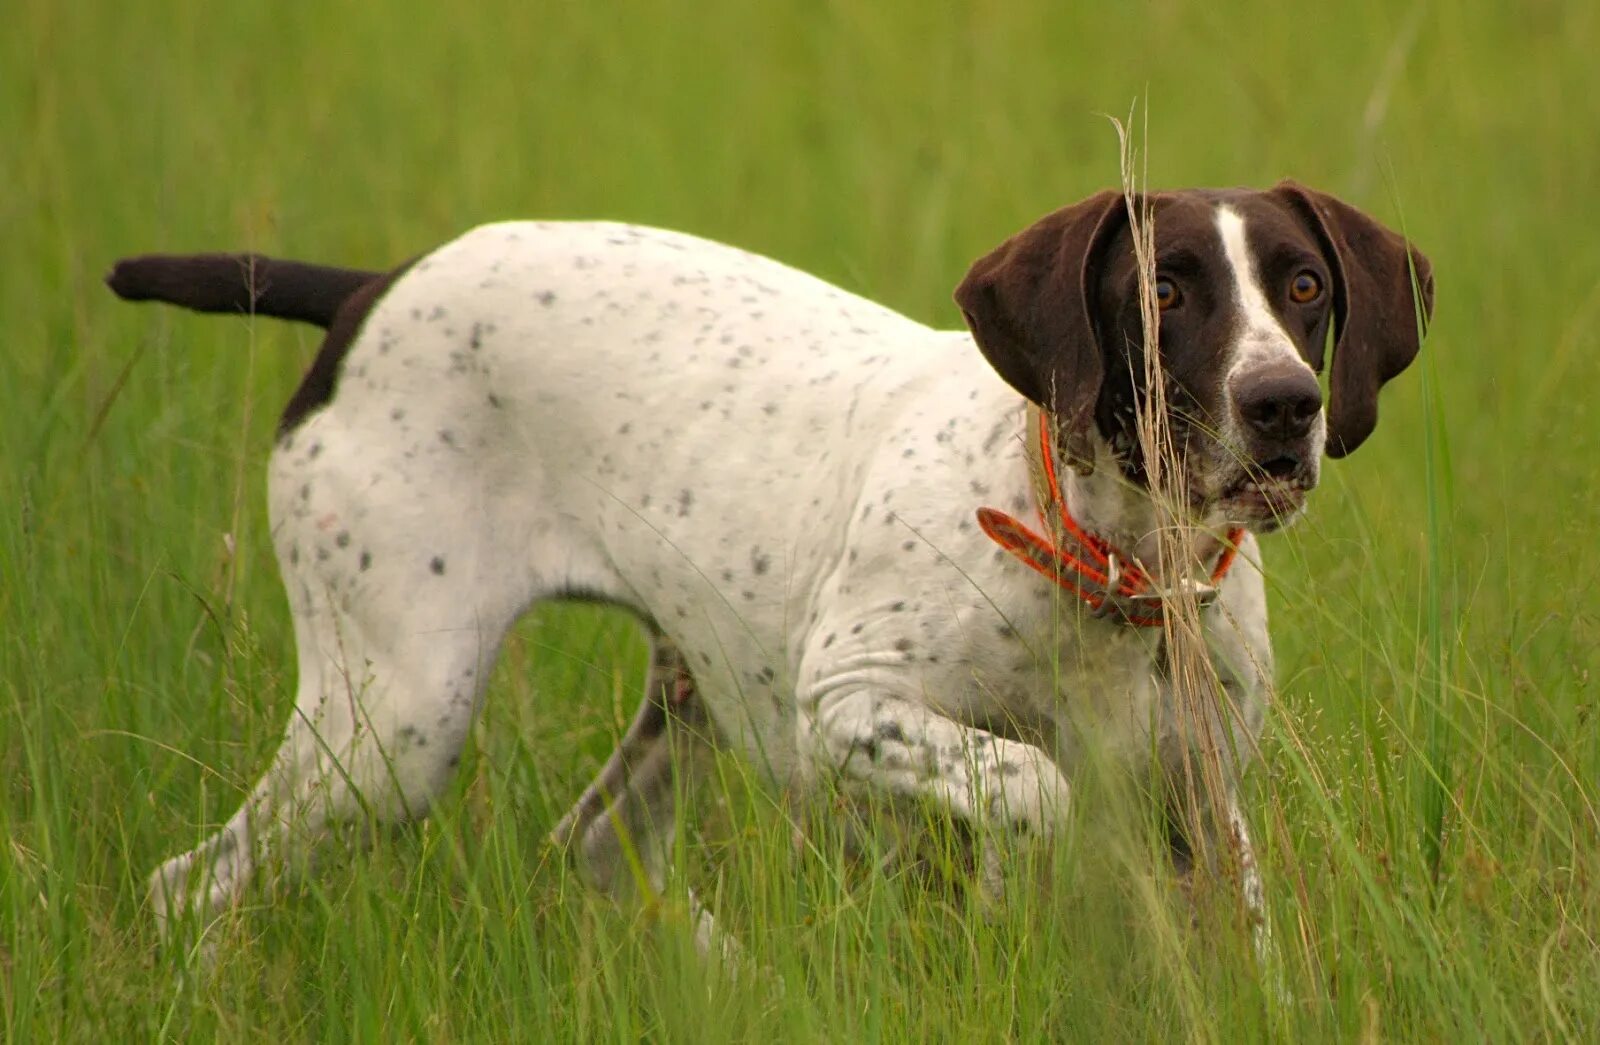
[(1226, 850), (1237, 834), (896, 746)]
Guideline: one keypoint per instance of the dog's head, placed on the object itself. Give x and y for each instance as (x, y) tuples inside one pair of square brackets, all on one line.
[(1249, 286)]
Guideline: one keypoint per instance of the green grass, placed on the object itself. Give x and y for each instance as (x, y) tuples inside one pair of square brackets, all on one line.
[(1427, 799)]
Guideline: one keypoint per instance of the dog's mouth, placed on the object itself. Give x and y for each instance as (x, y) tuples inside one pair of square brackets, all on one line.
[(1263, 495), (1269, 494)]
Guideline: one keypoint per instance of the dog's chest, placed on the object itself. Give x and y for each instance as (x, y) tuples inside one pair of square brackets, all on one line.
[(1055, 676)]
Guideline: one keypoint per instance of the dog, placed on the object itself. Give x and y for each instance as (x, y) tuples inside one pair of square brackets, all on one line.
[(911, 563)]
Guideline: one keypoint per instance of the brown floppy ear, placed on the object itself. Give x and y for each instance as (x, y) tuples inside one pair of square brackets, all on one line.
[(1027, 303), (1377, 331)]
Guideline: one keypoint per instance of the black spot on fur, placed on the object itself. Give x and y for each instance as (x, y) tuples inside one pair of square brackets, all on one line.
[(437, 565), (996, 433), (366, 560)]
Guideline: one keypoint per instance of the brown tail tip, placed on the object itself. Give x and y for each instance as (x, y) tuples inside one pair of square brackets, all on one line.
[(246, 284), (124, 281)]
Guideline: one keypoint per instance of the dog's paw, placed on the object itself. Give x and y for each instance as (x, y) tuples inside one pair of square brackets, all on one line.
[(1011, 786)]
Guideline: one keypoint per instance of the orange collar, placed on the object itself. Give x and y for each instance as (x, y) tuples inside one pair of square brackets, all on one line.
[(1110, 583)]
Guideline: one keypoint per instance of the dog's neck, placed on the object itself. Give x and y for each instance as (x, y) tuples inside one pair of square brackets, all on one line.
[(1111, 506)]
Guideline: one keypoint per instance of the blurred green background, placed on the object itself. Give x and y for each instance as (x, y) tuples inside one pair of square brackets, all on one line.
[(1427, 803)]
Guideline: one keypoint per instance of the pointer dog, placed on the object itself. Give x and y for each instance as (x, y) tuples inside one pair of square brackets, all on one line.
[(783, 481)]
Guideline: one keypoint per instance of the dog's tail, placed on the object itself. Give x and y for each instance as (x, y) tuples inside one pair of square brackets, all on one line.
[(247, 284)]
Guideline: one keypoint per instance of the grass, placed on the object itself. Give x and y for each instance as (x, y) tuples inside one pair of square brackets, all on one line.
[(1426, 801)]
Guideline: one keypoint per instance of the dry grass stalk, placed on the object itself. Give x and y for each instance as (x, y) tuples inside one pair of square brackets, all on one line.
[(1199, 796)]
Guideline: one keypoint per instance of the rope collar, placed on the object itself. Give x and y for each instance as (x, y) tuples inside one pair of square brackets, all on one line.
[(1110, 583)]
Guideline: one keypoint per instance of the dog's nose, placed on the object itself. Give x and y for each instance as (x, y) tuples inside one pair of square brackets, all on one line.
[(1280, 403)]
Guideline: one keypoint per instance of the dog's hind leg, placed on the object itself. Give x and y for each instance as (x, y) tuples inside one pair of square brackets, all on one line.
[(397, 628), (668, 694), (622, 829), (377, 730)]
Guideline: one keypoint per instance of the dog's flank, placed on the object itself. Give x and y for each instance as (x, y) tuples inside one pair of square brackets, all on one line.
[(243, 284)]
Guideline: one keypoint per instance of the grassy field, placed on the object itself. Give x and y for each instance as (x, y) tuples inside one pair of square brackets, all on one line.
[(1427, 799)]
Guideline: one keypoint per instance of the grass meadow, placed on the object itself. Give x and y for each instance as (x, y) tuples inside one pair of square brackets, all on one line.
[(1427, 803)]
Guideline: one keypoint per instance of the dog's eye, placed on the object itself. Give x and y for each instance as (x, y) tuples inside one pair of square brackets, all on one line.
[(1167, 294), (1306, 288)]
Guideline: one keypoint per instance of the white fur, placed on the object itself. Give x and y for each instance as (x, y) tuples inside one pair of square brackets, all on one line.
[(1261, 340), (779, 474)]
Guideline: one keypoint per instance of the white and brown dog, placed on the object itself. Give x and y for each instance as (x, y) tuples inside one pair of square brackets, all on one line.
[(783, 481)]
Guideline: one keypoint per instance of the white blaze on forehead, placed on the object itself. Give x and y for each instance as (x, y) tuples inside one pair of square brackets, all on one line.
[(1262, 339)]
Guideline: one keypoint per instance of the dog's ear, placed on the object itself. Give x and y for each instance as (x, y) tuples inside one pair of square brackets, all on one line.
[(1377, 330), (1028, 305)]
